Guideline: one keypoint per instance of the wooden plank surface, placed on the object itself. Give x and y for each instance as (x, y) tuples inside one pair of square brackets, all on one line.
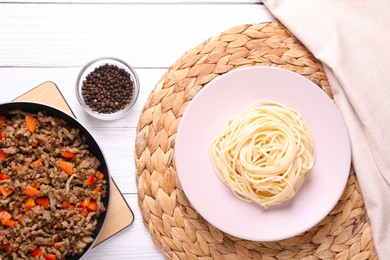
[(155, 2), (69, 35), (119, 214)]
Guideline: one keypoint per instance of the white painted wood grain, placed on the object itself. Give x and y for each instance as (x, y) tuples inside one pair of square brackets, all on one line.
[(63, 35), (154, 3)]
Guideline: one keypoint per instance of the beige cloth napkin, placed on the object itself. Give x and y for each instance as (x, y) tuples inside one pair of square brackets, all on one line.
[(352, 39)]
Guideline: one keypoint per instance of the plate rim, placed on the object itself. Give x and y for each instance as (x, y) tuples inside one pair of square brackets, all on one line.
[(321, 93)]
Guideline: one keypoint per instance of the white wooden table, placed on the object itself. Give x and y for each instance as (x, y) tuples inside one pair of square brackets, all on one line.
[(50, 40)]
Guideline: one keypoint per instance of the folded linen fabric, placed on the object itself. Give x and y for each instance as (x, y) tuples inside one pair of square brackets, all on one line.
[(352, 40)]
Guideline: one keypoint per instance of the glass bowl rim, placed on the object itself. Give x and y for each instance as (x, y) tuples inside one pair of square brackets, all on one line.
[(88, 67)]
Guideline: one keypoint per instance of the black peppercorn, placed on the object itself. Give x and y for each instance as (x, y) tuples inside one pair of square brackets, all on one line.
[(107, 89)]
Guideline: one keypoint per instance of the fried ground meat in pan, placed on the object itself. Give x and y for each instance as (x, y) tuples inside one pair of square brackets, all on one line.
[(50, 188)]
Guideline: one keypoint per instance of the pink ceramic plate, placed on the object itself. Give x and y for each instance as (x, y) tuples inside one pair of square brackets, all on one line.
[(231, 94)]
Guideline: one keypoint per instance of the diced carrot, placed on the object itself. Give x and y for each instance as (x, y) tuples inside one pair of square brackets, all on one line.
[(30, 191), (64, 204), (71, 207), (20, 219), (56, 245), (4, 215), (84, 212), (66, 167), (92, 206), (100, 176), (5, 191), (96, 191), (4, 177), (34, 144), (90, 180), (30, 203), (18, 167), (56, 225), (31, 123), (85, 202), (50, 257), (43, 202), (2, 155), (35, 163), (9, 223), (36, 184), (2, 135), (6, 218), (37, 252), (67, 155)]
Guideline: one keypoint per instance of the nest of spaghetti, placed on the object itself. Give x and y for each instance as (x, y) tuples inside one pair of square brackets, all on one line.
[(264, 154)]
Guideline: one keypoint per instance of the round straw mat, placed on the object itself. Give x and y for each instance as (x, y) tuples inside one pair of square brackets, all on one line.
[(174, 224)]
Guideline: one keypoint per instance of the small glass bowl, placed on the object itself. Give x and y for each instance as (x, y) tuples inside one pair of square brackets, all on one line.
[(90, 67)]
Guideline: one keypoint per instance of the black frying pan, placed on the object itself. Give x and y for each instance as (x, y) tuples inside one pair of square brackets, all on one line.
[(34, 107)]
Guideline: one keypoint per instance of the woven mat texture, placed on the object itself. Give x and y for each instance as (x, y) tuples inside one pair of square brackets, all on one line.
[(174, 224)]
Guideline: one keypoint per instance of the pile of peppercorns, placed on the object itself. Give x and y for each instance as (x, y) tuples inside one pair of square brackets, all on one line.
[(107, 89)]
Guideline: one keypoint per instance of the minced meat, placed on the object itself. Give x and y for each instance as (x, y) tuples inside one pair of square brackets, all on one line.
[(50, 188)]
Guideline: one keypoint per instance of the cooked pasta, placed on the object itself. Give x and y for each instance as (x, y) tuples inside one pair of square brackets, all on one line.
[(264, 154)]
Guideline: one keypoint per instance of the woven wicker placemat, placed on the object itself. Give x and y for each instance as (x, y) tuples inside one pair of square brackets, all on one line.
[(175, 226)]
